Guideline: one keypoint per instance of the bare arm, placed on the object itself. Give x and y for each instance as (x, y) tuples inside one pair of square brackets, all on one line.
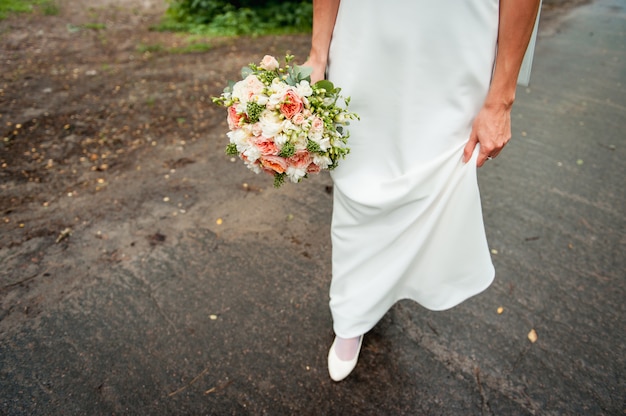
[(492, 126), (324, 16)]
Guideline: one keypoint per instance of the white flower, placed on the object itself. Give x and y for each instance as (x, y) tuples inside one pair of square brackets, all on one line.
[(324, 143), (300, 142), (303, 88), (271, 123), (322, 161), (315, 135), (238, 137), (281, 139), (277, 91), (252, 153), (254, 167), (295, 174), (288, 126), (246, 88), (260, 99)]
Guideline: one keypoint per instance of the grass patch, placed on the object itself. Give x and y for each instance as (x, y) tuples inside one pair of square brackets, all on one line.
[(94, 26), (157, 47), (191, 47), (8, 7), (224, 18)]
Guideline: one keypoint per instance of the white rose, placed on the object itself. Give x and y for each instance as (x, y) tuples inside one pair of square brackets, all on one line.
[(303, 88), (271, 123), (238, 137), (315, 135), (248, 87)]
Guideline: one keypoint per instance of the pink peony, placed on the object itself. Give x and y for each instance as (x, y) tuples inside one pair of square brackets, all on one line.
[(291, 105), (266, 146), (273, 164), (300, 160), (233, 118)]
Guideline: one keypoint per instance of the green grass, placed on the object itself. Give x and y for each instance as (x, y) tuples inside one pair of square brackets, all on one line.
[(157, 47), (94, 26), (47, 7), (219, 18), (192, 46)]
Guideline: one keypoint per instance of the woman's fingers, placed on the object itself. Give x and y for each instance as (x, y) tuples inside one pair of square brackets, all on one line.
[(492, 129)]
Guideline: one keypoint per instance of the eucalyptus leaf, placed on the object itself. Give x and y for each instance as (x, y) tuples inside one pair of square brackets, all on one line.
[(305, 72), (245, 71), (325, 84), (229, 87)]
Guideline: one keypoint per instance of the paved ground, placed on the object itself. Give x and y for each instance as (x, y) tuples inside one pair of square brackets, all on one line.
[(232, 318)]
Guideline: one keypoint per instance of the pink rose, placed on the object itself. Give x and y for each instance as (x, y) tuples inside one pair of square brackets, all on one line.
[(313, 168), (300, 160), (273, 164), (269, 63), (298, 119), (291, 105), (317, 124), (266, 146), (257, 129), (233, 118)]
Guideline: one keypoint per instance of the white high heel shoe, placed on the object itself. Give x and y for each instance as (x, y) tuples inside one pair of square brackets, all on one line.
[(338, 368)]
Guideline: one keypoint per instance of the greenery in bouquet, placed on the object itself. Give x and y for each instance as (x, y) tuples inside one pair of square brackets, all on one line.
[(281, 124)]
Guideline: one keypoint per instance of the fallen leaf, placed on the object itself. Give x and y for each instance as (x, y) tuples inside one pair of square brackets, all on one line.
[(500, 310), (532, 336), (219, 221), (63, 235)]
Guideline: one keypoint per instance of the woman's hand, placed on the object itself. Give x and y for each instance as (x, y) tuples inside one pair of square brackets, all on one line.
[(324, 16), (319, 70), (492, 129), (492, 125)]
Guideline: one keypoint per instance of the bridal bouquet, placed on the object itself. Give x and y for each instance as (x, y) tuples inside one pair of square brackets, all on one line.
[(281, 124)]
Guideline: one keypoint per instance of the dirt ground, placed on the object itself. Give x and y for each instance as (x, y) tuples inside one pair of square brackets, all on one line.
[(94, 106)]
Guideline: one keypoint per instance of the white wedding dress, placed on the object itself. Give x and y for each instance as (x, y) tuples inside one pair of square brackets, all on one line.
[(407, 220)]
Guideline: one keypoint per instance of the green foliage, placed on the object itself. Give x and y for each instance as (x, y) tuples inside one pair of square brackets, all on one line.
[(231, 149), (26, 6), (279, 179), (192, 47), (254, 110), (242, 17), (288, 150)]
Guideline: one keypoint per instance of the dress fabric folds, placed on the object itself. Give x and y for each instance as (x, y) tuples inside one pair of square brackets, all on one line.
[(407, 220)]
